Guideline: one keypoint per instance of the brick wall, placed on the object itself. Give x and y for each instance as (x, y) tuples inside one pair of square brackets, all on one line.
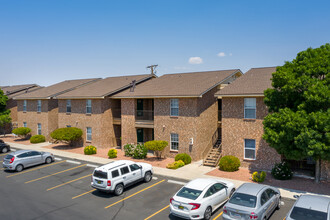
[(128, 131)]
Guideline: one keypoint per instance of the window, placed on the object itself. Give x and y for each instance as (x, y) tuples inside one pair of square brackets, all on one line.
[(250, 108), (24, 124), (270, 193), (175, 142), (134, 167), (249, 149), (306, 214), (68, 106), (218, 187), (39, 128), (174, 107), (124, 170), (210, 192), (100, 174), (88, 106), (24, 105), (35, 153), (189, 193), (89, 134), (68, 126), (264, 198), (242, 199), (39, 106), (115, 173)]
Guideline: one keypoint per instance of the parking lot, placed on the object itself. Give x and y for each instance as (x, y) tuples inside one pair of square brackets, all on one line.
[(61, 190)]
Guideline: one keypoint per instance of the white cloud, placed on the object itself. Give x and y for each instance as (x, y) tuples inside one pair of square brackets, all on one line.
[(221, 54), (195, 60)]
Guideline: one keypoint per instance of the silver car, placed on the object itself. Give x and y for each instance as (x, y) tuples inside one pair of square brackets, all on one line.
[(310, 207), (252, 201), (21, 159)]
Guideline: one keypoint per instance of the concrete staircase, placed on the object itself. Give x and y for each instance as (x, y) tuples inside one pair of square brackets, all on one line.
[(214, 155)]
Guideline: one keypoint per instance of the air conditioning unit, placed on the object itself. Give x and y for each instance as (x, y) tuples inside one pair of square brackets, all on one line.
[(191, 141)]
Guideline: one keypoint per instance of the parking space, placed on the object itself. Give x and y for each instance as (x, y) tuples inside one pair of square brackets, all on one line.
[(61, 190)]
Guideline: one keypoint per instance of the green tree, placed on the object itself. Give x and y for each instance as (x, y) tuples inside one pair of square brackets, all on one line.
[(299, 121), (5, 118), (67, 135)]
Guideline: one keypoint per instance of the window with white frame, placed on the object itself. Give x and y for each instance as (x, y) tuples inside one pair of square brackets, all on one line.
[(88, 134), (88, 106), (174, 107), (174, 142), (39, 128), (250, 149), (250, 108), (24, 105), (68, 106), (24, 124), (39, 106)]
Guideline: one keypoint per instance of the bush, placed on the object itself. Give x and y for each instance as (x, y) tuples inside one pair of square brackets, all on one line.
[(259, 177), (112, 153), (140, 152), (282, 171), (229, 163), (129, 149), (175, 165), (37, 139), (184, 157), (67, 135), (22, 131), (90, 150), (156, 146)]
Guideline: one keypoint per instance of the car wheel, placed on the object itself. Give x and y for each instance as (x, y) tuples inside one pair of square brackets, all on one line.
[(119, 189), (231, 193), (208, 213), (19, 167), (147, 177), (48, 160), (278, 204), (4, 150)]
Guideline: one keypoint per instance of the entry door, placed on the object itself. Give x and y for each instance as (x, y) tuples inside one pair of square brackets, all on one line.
[(139, 134)]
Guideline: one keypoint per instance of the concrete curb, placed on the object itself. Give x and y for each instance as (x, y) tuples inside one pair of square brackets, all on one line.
[(188, 172)]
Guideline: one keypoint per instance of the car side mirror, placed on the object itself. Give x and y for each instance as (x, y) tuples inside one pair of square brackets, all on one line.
[(296, 196), (140, 167)]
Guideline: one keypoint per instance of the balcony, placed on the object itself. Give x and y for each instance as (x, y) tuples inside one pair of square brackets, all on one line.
[(116, 114), (144, 118)]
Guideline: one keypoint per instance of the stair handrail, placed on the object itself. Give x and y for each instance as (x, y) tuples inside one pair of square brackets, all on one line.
[(220, 150), (212, 142)]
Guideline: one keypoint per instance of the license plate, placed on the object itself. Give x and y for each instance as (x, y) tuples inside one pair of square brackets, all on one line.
[(181, 207), (99, 182)]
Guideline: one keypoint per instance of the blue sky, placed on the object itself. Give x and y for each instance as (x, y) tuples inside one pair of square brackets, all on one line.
[(46, 41)]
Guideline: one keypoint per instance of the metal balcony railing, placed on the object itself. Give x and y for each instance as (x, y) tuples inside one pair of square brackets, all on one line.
[(147, 115)]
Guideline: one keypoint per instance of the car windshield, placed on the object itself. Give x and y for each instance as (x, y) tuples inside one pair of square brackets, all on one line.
[(100, 174), (189, 193), (8, 157), (306, 214), (243, 200)]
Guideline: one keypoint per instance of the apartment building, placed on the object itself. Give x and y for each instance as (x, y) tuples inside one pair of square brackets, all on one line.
[(243, 111), (38, 109), (178, 108), (91, 109)]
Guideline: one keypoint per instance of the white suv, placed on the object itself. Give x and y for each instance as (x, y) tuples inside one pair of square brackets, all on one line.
[(115, 176)]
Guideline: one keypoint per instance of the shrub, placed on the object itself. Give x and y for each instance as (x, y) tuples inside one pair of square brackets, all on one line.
[(129, 149), (67, 135), (282, 171), (259, 177), (157, 146), (184, 157), (37, 139), (140, 151), (22, 131), (229, 163), (90, 150), (175, 165), (112, 153)]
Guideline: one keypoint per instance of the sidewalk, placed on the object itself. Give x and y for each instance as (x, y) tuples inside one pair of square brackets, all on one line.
[(188, 172)]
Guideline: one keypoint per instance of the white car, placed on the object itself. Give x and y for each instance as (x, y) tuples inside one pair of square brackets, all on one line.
[(200, 197), (115, 176)]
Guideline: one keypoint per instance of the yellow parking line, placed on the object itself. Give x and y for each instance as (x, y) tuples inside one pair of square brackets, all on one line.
[(55, 173), (216, 217), (68, 182), (36, 168), (5, 154), (83, 194), (134, 194), (157, 212)]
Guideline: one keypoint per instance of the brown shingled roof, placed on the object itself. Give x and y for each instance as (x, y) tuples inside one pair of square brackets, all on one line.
[(56, 89), (253, 82), (104, 87), (179, 85), (11, 91)]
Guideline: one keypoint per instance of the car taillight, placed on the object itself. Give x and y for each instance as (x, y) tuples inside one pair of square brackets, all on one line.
[(12, 159), (171, 199), (109, 183), (225, 209), (253, 215), (195, 206)]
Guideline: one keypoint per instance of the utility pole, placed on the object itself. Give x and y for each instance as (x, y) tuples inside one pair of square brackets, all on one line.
[(153, 69)]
